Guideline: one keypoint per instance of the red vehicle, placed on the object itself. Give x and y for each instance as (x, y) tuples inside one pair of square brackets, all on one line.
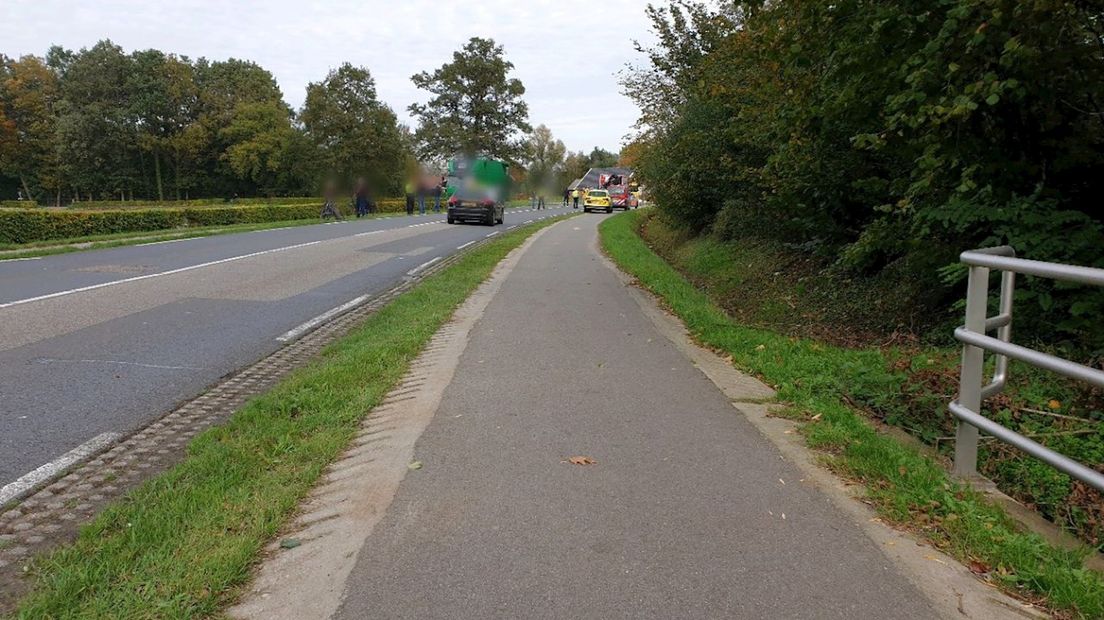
[(619, 189)]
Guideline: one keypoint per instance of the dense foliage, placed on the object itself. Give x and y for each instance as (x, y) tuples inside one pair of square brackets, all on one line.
[(476, 107), (887, 136), (101, 123)]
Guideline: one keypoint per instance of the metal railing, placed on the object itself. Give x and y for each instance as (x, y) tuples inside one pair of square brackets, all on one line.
[(976, 341)]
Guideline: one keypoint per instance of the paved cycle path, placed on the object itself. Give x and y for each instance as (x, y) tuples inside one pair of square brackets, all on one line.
[(687, 512)]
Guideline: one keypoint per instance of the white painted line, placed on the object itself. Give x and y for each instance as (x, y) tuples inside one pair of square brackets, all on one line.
[(370, 232), (493, 234), (12, 260), (527, 221), (170, 272), (429, 262), (142, 245), (32, 479), (295, 332), (512, 227), (461, 247)]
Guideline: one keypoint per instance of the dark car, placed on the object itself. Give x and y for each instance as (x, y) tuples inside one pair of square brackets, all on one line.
[(468, 205)]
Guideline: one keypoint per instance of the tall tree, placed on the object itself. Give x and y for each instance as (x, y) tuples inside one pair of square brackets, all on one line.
[(28, 92), (96, 135), (356, 134), (163, 100), (476, 108), (260, 136), (544, 156)]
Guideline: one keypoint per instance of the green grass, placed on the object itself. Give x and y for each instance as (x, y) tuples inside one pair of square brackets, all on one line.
[(906, 487), (179, 544)]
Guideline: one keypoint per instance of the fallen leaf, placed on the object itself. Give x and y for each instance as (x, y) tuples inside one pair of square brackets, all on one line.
[(782, 481), (1054, 404), (815, 418), (415, 465), (581, 460), (761, 347), (978, 568), (290, 543)]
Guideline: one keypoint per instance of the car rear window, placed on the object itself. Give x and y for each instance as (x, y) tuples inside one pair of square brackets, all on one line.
[(600, 193)]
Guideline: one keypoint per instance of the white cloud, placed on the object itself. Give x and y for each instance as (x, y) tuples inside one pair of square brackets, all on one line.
[(566, 52)]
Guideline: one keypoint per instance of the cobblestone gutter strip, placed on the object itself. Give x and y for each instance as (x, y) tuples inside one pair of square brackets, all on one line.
[(51, 512)]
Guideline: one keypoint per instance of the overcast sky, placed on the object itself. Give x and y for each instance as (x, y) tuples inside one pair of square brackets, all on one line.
[(566, 52)]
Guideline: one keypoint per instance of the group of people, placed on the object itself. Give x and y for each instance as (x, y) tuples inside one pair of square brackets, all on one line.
[(362, 200), (364, 205), (572, 196), (420, 190)]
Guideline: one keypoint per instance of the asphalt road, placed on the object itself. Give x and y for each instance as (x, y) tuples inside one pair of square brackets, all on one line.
[(105, 341), (688, 511)]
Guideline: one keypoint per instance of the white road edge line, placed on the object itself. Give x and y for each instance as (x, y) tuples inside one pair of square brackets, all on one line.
[(170, 272), (142, 245), (12, 260), (295, 332), (30, 480), (461, 247), (493, 234), (429, 262)]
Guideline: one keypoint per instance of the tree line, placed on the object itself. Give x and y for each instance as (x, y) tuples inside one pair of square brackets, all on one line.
[(101, 123), (886, 137)]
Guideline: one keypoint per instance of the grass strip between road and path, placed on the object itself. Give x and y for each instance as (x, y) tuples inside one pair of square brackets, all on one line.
[(907, 488), (180, 544)]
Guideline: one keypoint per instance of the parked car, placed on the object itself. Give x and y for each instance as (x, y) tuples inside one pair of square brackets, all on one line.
[(597, 199), (470, 205)]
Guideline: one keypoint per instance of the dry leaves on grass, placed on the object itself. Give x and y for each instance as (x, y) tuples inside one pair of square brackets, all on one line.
[(581, 460)]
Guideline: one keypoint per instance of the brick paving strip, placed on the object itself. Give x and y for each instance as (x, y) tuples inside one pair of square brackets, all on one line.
[(52, 512)]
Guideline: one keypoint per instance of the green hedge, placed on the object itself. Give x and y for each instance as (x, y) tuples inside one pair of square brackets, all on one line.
[(99, 205), (27, 225)]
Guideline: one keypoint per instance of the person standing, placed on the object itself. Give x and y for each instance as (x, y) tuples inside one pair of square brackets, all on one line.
[(437, 189), (410, 197), (575, 198), (566, 196), (421, 196), (360, 198), (540, 201)]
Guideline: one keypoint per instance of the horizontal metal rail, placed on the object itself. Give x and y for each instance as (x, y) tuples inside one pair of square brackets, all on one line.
[(1064, 464), (976, 342)]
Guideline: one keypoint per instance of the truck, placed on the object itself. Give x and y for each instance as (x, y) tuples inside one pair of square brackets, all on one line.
[(476, 191)]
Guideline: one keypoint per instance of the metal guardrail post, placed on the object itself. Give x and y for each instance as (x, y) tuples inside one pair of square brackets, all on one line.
[(973, 357)]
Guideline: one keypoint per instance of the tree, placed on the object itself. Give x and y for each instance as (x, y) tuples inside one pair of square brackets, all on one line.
[(544, 156), (356, 134), (260, 136), (28, 93), (601, 158), (476, 107), (575, 166), (164, 102), (97, 140)]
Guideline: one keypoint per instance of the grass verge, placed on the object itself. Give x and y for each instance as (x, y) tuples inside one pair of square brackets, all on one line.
[(179, 544), (906, 487)]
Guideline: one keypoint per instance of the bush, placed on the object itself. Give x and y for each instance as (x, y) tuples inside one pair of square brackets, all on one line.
[(31, 225)]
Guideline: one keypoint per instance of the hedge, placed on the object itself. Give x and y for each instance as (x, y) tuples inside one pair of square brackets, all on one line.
[(27, 225), (98, 205)]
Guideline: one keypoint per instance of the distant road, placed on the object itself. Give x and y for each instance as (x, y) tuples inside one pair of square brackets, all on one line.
[(103, 342)]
